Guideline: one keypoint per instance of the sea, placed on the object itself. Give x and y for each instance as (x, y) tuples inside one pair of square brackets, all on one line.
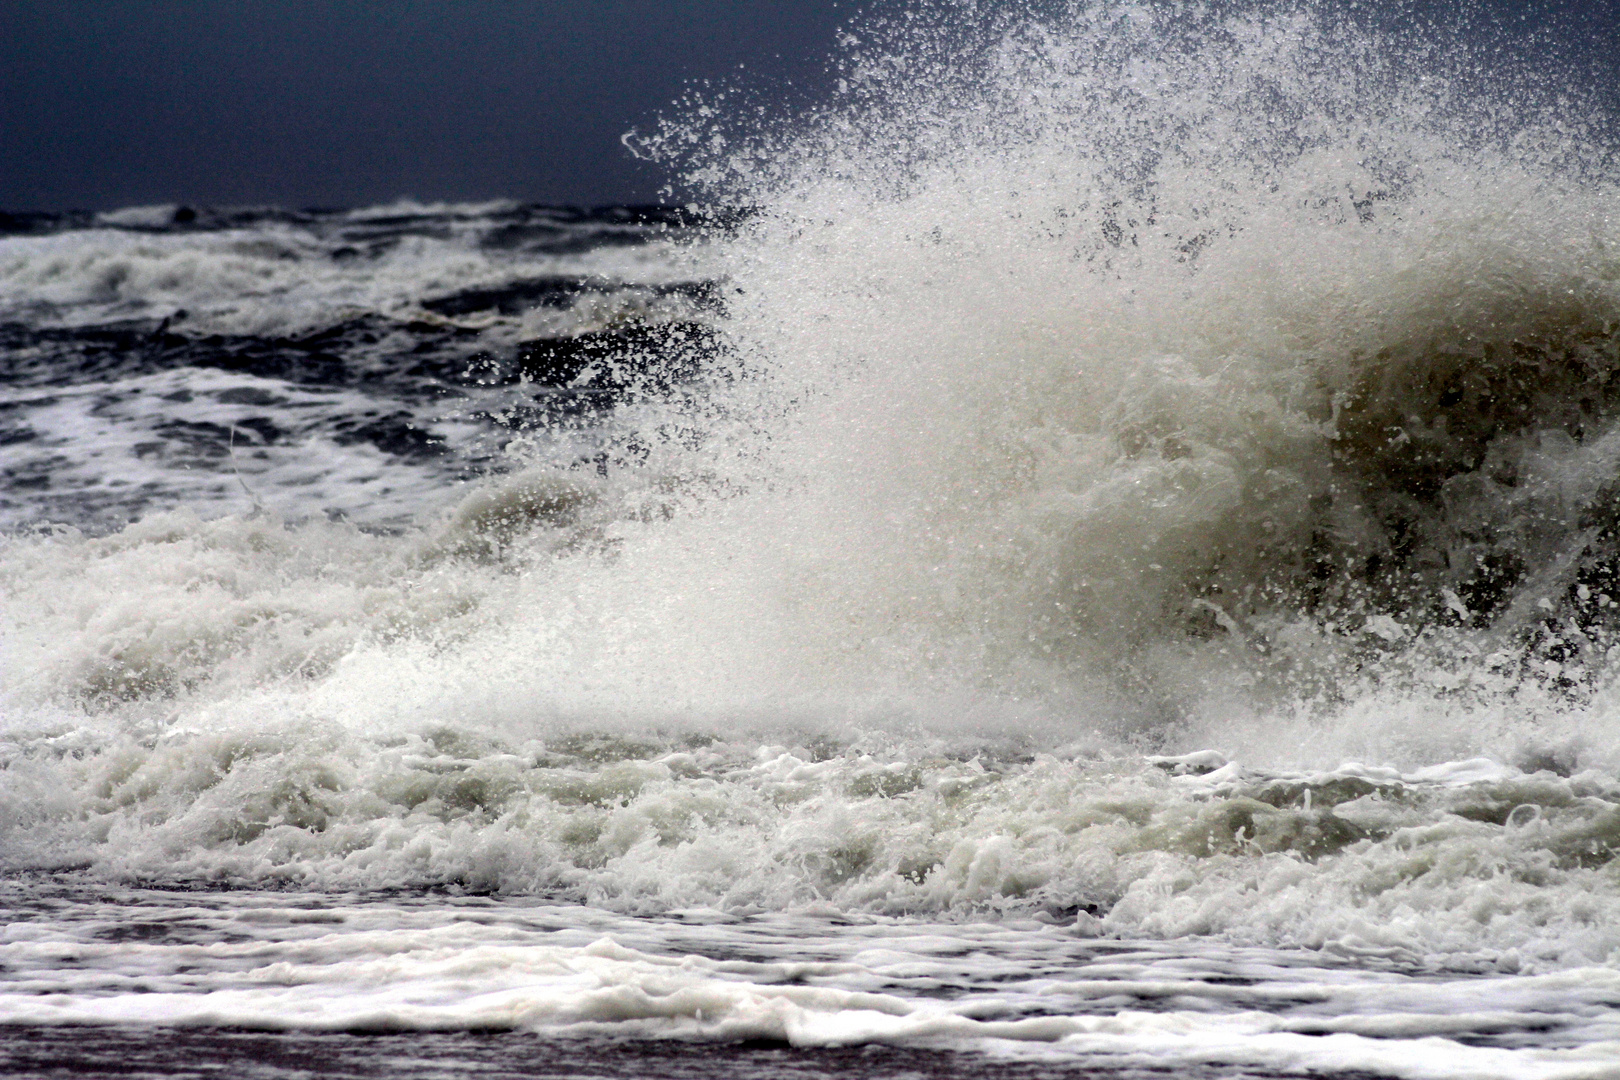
[(1091, 550)]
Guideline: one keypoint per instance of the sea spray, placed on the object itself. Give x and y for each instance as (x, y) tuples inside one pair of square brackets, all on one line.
[(1090, 336)]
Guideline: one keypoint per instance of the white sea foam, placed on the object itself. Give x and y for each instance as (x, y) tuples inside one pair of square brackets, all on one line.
[(276, 278), (1021, 990), (156, 440)]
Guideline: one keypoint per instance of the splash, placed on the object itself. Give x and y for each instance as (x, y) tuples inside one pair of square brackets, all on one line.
[(1114, 333)]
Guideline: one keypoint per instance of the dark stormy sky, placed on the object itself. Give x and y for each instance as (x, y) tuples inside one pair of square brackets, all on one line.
[(107, 103)]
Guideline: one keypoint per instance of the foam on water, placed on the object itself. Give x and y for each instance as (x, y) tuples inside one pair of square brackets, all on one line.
[(375, 357), (121, 442), (279, 275), (1155, 474), (1020, 991)]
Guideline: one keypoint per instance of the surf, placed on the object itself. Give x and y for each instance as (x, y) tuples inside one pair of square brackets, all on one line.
[(1078, 392)]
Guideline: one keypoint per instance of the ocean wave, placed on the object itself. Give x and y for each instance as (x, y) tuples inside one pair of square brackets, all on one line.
[(1083, 390)]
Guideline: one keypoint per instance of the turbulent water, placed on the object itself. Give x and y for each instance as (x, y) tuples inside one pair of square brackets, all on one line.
[(1104, 554)]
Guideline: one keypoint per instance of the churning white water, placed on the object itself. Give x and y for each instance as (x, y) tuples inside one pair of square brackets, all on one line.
[(1122, 552)]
